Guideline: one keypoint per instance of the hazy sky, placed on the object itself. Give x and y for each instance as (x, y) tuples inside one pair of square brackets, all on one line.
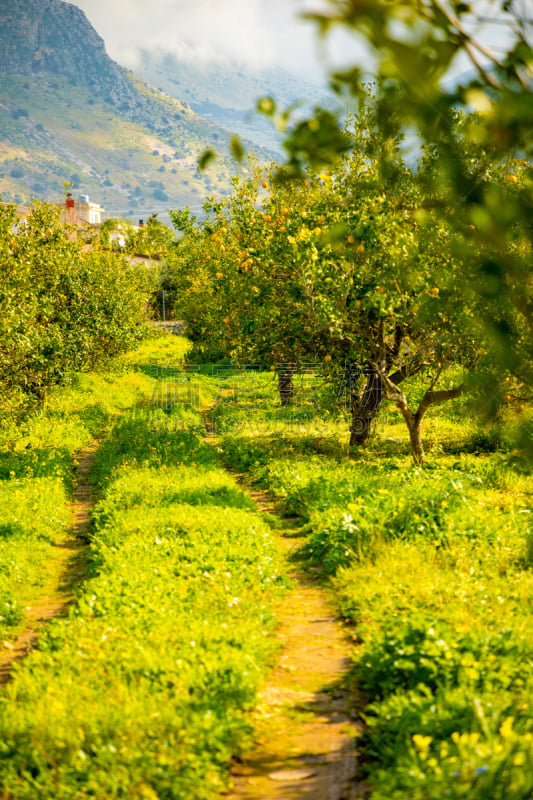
[(256, 33)]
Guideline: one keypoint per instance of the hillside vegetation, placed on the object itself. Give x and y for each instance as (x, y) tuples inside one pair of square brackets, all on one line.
[(127, 167), (68, 112)]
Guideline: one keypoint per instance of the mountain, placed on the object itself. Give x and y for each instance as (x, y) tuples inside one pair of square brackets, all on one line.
[(228, 93), (70, 113), (53, 37)]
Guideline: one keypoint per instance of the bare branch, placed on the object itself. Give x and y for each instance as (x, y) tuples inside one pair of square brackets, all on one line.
[(471, 45), (442, 396)]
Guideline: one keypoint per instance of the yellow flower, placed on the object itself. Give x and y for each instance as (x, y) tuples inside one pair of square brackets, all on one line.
[(506, 728), (422, 742)]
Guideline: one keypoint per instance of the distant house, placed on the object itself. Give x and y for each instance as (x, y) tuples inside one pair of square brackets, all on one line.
[(118, 238), (89, 212), (81, 214)]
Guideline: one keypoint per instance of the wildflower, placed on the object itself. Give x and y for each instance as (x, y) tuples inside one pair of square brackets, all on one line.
[(422, 742), (506, 728)]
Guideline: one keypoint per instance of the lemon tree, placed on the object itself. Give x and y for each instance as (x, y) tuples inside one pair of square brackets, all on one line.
[(413, 47), (65, 306), (355, 266)]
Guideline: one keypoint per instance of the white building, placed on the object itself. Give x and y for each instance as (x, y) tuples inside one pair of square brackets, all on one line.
[(89, 212)]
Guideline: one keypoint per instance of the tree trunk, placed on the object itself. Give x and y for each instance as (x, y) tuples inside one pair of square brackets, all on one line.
[(414, 420), (285, 383), (364, 407), (414, 425)]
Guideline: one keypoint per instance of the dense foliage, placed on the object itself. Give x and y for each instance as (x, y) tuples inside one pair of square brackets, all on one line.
[(412, 48), (354, 267), (65, 306)]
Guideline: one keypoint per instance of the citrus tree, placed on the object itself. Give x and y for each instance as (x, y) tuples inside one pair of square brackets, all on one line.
[(65, 306), (413, 47), (355, 266), (240, 293)]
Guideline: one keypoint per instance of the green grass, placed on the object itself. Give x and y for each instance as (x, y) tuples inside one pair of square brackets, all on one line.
[(37, 463), (143, 691), (35, 516), (432, 568)]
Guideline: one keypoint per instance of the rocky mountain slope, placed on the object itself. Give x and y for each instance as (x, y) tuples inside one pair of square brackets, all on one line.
[(68, 112)]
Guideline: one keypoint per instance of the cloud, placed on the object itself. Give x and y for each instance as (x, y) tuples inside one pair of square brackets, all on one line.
[(255, 33)]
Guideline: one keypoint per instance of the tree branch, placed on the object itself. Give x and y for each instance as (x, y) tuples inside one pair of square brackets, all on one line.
[(392, 391), (471, 45), (405, 372), (431, 397), (393, 352)]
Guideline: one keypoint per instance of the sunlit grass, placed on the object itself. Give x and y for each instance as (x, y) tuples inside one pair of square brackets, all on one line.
[(432, 567), (143, 690)]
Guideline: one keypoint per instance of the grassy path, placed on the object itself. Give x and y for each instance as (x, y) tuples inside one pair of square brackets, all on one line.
[(305, 743), (64, 570)]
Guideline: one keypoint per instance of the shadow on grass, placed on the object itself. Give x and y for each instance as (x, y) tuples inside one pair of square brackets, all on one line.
[(223, 496), (138, 439), (243, 452)]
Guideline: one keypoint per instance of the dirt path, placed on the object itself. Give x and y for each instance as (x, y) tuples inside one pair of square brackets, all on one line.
[(66, 568), (306, 745)]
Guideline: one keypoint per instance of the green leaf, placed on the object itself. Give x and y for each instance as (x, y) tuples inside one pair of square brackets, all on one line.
[(237, 150), (205, 159), (267, 106)]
